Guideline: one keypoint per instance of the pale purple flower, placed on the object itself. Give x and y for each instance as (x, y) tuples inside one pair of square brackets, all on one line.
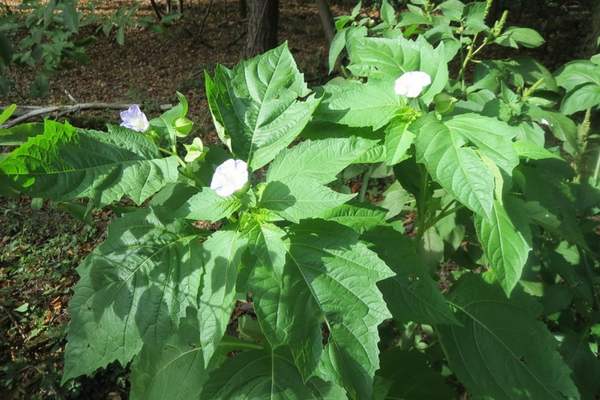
[(411, 84), (229, 177), (134, 118)]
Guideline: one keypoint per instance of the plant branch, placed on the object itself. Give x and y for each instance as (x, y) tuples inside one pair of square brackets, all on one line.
[(66, 109), (365, 183)]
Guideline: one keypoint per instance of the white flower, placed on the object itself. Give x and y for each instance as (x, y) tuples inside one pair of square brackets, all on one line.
[(544, 121), (229, 177), (411, 84), (134, 118)]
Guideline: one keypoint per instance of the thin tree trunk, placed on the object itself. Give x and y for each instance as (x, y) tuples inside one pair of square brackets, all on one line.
[(326, 19), (263, 17), (243, 9)]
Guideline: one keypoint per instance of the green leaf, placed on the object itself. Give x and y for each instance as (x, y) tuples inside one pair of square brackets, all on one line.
[(505, 246), (7, 112), (19, 134), (352, 103), (319, 160), (387, 59), (266, 375), (576, 351), (578, 73), (398, 139), (492, 137), (301, 198), (329, 270), (514, 36), (527, 149), (502, 351), (388, 14), (407, 376), (360, 217), (457, 169), (411, 295), (172, 368), (224, 250), (580, 99), (258, 106), (64, 163), (206, 205), (134, 287)]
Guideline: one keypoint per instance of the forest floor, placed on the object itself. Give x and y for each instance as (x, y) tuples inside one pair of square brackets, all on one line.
[(40, 246)]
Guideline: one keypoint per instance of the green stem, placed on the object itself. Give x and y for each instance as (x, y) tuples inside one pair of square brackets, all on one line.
[(365, 183), (597, 170)]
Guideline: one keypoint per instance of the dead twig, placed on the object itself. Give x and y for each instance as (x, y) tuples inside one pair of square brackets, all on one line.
[(62, 110)]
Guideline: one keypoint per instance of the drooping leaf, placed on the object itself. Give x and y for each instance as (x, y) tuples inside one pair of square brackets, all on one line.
[(133, 288), (65, 163), (333, 277), (502, 351), (411, 295), (172, 368), (266, 375), (223, 251), (585, 365), (505, 246), (257, 105), (514, 36), (407, 375), (19, 134), (456, 168)]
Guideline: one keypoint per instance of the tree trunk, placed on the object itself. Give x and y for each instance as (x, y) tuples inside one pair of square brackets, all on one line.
[(326, 19), (263, 16), (243, 9)]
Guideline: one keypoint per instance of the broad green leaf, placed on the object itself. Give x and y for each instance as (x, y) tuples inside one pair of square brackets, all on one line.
[(411, 295), (352, 103), (514, 36), (301, 198), (457, 169), (17, 135), (360, 217), (387, 59), (319, 160), (208, 206), (223, 250), (268, 247), (65, 163), (388, 14), (492, 137), (133, 288), (407, 375), (172, 368), (502, 351), (527, 149), (257, 105), (578, 73), (575, 349), (269, 375), (338, 43), (338, 276), (505, 246), (580, 99), (398, 139)]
